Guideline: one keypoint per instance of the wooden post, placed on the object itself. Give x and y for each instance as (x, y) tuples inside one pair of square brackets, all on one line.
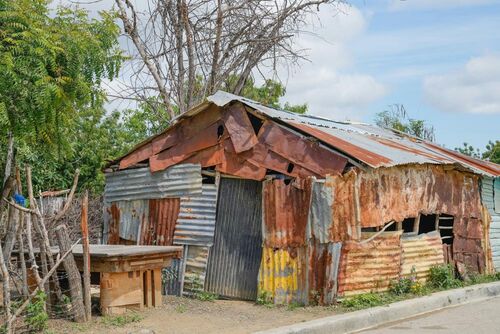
[(74, 279), (6, 292), (86, 257)]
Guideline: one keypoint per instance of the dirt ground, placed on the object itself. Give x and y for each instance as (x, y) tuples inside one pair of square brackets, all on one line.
[(184, 315)]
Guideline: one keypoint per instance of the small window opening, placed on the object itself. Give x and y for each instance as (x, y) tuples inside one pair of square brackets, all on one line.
[(368, 229), (207, 179), (290, 168), (427, 223), (287, 181), (256, 122), (391, 228), (220, 131), (445, 227), (408, 225)]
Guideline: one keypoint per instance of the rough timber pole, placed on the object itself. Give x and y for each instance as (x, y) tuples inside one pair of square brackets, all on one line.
[(86, 256)]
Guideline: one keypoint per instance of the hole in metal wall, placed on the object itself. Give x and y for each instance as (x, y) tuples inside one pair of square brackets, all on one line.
[(220, 131), (290, 168), (256, 122)]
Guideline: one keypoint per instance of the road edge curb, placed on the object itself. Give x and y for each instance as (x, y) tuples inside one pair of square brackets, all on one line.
[(376, 316)]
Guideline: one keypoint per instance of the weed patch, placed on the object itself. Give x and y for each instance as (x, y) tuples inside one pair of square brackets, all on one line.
[(121, 320)]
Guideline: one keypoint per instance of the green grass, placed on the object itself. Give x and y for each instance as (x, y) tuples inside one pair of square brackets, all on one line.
[(121, 320)]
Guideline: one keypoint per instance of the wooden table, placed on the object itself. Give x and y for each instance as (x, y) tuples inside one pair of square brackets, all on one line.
[(130, 276)]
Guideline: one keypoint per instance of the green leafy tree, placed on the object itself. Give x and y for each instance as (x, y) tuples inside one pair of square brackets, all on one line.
[(51, 68), (397, 118), (469, 150), (491, 152)]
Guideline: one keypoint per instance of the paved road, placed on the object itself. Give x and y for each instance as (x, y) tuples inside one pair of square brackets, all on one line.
[(476, 318)]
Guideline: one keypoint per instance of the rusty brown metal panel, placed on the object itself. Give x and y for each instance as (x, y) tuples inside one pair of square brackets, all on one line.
[(206, 138), (375, 197), (236, 165), (286, 209), (369, 267), (113, 237), (239, 127), (420, 253), (159, 229), (323, 268), (301, 151)]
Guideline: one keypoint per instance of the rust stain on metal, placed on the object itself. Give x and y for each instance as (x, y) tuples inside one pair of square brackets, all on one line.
[(393, 194), (206, 138), (159, 229), (286, 209), (394, 144), (211, 156), (369, 267), (420, 253), (359, 153), (114, 227), (301, 151), (239, 127)]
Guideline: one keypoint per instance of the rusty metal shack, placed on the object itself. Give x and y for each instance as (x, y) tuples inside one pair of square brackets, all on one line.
[(298, 207)]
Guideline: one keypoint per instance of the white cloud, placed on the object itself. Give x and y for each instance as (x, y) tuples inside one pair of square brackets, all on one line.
[(399, 5), (472, 89), (327, 83)]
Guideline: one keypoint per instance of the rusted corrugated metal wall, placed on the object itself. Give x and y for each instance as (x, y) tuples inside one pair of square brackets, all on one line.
[(369, 267), (158, 229), (375, 197), (286, 211), (283, 275), (420, 253), (235, 256), (300, 263), (125, 219)]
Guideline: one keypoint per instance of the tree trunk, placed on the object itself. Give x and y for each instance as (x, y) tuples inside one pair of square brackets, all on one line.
[(74, 278), (6, 291)]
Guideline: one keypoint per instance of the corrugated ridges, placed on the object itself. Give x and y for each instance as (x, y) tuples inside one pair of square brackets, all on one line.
[(487, 196), (421, 252), (370, 267), (196, 220), (235, 256), (140, 183), (283, 275)]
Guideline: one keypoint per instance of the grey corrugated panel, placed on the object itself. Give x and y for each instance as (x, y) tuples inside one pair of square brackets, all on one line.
[(195, 269), (172, 278), (496, 194), (487, 192), (334, 249), (133, 215), (196, 221), (131, 184), (487, 196), (320, 214), (235, 257)]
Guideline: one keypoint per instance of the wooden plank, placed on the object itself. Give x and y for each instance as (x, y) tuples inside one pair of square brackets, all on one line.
[(120, 291), (86, 257), (147, 288), (157, 299)]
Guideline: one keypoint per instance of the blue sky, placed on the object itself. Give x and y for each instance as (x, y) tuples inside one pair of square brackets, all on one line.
[(441, 59)]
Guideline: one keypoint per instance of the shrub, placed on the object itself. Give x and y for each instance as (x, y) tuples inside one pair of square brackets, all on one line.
[(363, 301), (405, 285), (265, 298), (121, 320), (36, 316), (443, 277)]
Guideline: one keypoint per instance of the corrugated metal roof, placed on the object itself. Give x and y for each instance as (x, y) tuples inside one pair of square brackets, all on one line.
[(132, 184), (370, 144), (196, 220)]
